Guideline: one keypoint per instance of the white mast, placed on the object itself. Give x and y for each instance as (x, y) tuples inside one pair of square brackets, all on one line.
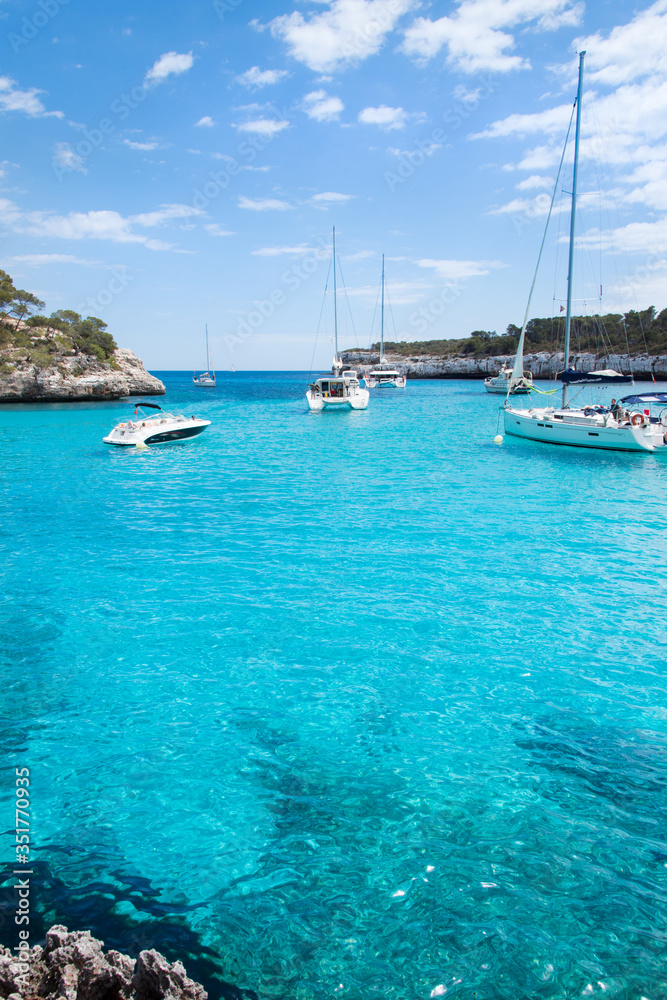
[(335, 300), (575, 172), (208, 363), (382, 317)]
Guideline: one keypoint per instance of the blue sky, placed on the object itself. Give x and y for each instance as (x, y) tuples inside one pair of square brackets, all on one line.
[(168, 165)]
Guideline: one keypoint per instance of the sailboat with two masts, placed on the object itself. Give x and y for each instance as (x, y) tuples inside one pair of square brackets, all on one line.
[(384, 377), (207, 377), (340, 389), (613, 428)]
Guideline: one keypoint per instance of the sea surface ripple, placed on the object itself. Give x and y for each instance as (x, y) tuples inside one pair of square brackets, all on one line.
[(355, 705)]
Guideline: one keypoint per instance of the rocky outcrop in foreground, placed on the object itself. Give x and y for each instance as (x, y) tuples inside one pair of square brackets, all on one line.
[(78, 377), (73, 966), (543, 365)]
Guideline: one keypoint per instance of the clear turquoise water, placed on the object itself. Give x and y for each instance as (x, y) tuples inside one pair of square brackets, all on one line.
[(354, 705)]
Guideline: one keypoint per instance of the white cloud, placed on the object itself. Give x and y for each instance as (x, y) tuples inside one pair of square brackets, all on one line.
[(535, 181), (553, 121), (169, 64), (321, 107), (331, 197), (96, 225), (474, 37), (451, 270), (144, 147), (215, 230), (263, 204), (286, 251), (387, 118), (264, 126), (426, 150), (257, 78), (41, 259), (67, 159), (24, 101), (347, 32), (205, 122), (631, 51)]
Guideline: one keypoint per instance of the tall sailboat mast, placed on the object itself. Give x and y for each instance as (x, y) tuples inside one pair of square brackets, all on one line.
[(208, 363), (382, 317), (570, 274), (335, 299)]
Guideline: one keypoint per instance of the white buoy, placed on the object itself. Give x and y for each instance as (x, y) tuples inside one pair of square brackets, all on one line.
[(140, 444), (498, 439)]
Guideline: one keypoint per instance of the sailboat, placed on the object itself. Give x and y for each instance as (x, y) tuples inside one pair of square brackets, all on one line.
[(385, 377), (611, 428), (207, 377), (340, 389)]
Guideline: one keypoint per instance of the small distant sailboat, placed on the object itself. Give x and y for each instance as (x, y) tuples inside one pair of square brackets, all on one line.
[(505, 383), (341, 389), (385, 377), (207, 377)]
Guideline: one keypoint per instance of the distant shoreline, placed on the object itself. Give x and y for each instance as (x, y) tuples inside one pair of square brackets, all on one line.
[(543, 366)]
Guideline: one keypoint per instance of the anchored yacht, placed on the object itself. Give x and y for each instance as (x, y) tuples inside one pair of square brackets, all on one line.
[(611, 428), (341, 390), (161, 428)]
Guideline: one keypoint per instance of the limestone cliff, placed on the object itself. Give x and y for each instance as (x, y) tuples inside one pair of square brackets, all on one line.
[(542, 366), (74, 377)]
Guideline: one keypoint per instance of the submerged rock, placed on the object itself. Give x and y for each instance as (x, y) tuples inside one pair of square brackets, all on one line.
[(74, 966), (77, 377)]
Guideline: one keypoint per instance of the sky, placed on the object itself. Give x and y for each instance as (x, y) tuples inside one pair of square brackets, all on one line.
[(167, 166)]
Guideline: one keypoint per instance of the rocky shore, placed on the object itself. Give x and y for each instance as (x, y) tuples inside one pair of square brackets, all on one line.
[(76, 377), (74, 966), (543, 365)]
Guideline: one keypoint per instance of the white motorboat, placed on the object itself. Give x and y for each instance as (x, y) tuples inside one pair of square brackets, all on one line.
[(161, 428), (385, 377), (612, 428), (341, 389), (207, 377), (504, 383)]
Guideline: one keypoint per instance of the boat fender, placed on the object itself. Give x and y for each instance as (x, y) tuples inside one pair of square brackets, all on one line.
[(637, 419)]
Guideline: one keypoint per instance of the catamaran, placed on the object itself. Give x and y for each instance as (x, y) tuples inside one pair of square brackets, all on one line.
[(207, 377), (611, 428), (340, 389), (385, 377)]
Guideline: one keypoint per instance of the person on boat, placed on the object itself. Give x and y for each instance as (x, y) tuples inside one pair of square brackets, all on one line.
[(615, 409)]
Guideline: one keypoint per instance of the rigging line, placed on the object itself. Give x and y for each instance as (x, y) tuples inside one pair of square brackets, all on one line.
[(375, 312), (347, 299), (391, 312), (319, 322), (544, 239)]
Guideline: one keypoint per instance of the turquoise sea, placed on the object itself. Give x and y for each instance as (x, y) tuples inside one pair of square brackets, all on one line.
[(356, 705)]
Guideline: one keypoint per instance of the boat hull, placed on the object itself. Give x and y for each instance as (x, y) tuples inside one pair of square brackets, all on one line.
[(123, 437), (541, 425), (501, 390), (357, 402)]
